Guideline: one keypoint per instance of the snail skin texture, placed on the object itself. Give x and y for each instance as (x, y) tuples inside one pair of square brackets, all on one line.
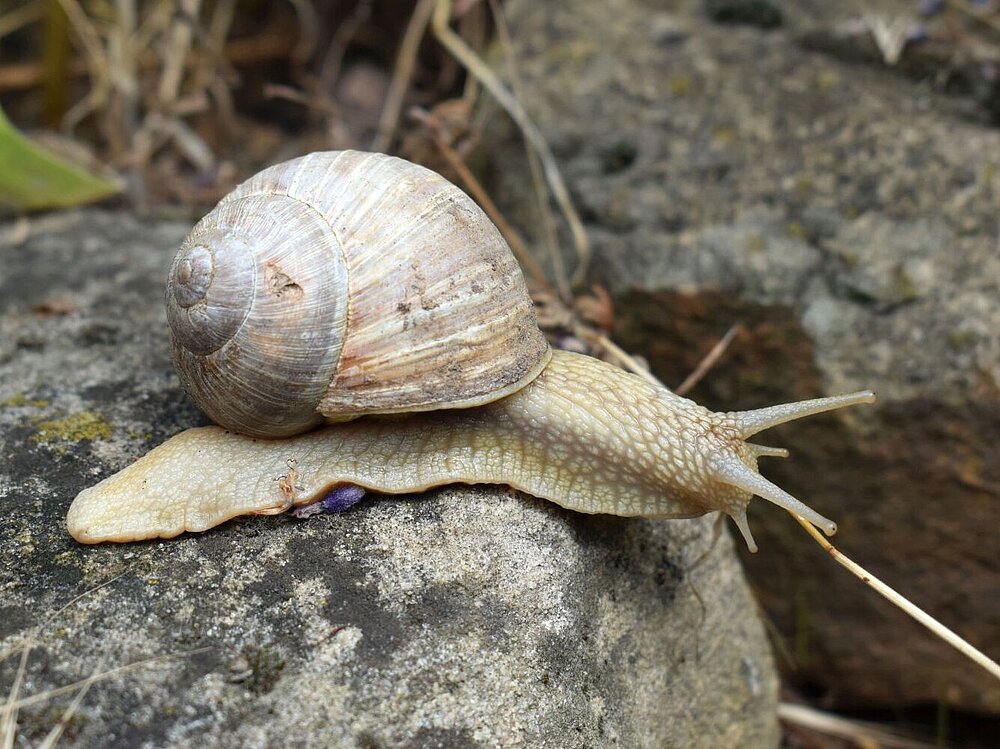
[(428, 303)]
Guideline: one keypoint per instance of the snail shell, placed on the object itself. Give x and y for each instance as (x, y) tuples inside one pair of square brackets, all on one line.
[(341, 284)]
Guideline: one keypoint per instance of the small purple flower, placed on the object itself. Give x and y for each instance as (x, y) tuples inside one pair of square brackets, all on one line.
[(338, 499)]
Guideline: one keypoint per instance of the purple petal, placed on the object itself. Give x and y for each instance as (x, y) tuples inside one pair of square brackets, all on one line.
[(338, 499)]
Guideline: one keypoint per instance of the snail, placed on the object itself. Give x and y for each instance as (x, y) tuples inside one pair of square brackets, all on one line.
[(368, 292)]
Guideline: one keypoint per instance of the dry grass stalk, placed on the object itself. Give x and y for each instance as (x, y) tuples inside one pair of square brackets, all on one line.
[(308, 31), (914, 611), (35, 699), (318, 96), (137, 116), (218, 31), (975, 16), (534, 163), (863, 734), (13, 704), (709, 361), (177, 51), (457, 47), (617, 353), (97, 62), (8, 718), (334, 57), (261, 48), (17, 19), (279, 91), (53, 736), (402, 74)]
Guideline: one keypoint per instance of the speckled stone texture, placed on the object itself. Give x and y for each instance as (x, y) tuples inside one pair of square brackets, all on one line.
[(469, 617), (848, 219)]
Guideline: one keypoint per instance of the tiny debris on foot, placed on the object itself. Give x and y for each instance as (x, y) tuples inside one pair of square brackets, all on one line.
[(338, 499)]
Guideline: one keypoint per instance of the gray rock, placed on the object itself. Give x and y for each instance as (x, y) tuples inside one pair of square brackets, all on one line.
[(464, 617), (848, 220)]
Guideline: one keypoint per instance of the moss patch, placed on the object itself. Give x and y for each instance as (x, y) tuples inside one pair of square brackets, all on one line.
[(21, 400), (85, 425)]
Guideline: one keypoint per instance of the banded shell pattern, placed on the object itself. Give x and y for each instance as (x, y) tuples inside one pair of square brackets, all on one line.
[(341, 284)]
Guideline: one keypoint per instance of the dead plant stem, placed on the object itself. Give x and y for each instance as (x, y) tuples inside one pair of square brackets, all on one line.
[(914, 611), (492, 83), (534, 164), (402, 74), (709, 361)]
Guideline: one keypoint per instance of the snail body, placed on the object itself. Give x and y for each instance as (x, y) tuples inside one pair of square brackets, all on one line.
[(488, 401)]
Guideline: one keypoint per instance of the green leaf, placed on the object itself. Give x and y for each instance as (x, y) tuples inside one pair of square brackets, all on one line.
[(31, 178)]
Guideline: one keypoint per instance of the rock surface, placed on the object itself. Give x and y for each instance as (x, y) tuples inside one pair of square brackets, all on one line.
[(848, 219), (469, 617)]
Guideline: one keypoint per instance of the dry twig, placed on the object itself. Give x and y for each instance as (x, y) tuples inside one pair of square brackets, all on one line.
[(492, 83), (914, 611), (709, 361), (534, 164), (863, 734), (402, 73)]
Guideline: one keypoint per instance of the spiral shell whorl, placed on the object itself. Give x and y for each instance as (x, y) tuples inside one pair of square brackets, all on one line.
[(209, 292), (257, 305), (377, 287)]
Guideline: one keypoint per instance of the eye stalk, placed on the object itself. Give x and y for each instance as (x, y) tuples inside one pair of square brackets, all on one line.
[(729, 469), (750, 423)]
